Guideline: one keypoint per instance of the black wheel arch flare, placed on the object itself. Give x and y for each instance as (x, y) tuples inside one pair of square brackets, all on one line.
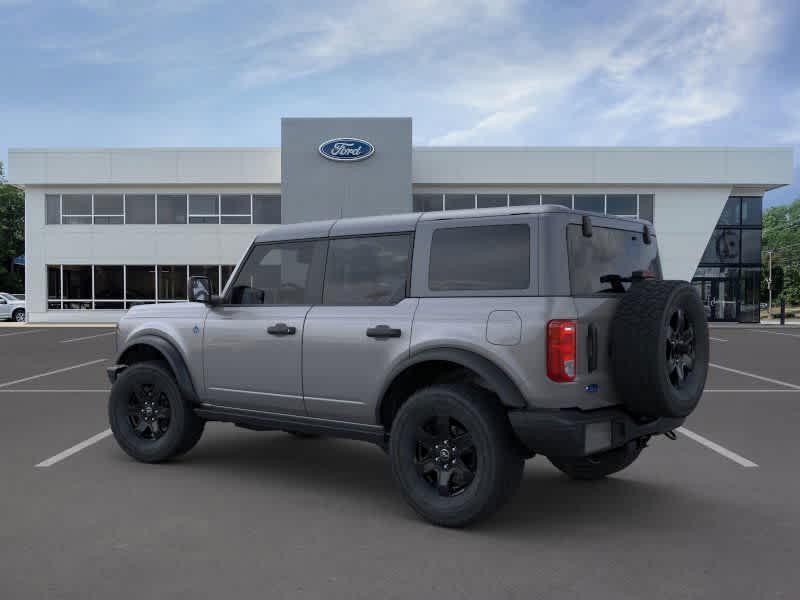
[(172, 355), (497, 379)]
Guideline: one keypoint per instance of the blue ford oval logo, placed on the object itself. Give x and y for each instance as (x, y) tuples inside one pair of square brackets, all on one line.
[(346, 149)]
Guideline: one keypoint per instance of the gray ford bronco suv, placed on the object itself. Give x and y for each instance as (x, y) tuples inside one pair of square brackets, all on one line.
[(463, 343)]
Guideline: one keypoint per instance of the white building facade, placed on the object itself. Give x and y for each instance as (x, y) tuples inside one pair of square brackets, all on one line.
[(106, 229)]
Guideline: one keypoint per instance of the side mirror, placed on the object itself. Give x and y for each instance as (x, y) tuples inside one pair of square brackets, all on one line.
[(200, 289)]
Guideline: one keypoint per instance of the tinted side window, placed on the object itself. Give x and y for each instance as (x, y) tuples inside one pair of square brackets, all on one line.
[(282, 273), (370, 270), (607, 252), (485, 257)]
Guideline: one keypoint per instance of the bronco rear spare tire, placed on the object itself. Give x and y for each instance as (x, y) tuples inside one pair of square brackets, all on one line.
[(659, 348)]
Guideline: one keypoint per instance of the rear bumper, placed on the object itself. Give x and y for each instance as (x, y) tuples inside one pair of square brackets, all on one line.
[(577, 433)]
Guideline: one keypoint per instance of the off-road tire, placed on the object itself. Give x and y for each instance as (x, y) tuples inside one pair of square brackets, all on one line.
[(18, 316), (598, 466), (640, 349), (499, 462), (184, 428)]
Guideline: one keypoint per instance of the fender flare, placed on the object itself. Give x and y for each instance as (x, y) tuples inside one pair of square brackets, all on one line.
[(498, 380), (173, 356)]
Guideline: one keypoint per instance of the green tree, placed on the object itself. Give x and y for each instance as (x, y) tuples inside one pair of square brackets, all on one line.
[(781, 235), (12, 235)]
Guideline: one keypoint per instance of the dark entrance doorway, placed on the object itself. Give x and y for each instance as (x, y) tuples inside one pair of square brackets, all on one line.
[(719, 298)]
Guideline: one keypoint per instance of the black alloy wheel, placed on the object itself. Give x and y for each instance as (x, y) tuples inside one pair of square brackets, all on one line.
[(150, 418), (149, 411), (454, 454), (445, 457), (679, 347)]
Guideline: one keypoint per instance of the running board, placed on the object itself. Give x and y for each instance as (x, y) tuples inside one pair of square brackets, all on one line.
[(267, 421)]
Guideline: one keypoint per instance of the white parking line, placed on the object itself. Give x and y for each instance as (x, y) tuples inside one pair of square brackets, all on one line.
[(74, 391), (754, 376), (753, 391), (27, 331), (49, 462), (730, 455), (794, 335), (88, 337), (717, 339), (32, 377)]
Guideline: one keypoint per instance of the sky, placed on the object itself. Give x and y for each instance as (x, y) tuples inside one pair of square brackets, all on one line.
[(108, 73)]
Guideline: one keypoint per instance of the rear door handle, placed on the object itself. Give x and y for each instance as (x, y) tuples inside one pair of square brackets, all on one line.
[(383, 331), (281, 329)]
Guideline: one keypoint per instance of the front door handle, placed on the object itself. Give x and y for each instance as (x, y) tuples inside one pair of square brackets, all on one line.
[(281, 329), (383, 331)]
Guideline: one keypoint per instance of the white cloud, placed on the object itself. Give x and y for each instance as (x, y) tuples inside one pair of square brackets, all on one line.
[(496, 122), (681, 65), (321, 41)]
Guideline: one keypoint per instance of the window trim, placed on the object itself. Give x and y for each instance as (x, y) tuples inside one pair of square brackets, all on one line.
[(422, 248), (225, 300), (409, 270)]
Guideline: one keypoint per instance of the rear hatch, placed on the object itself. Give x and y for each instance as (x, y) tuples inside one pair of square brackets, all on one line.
[(604, 258)]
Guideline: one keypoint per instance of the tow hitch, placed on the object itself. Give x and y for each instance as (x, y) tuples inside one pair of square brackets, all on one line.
[(671, 435)]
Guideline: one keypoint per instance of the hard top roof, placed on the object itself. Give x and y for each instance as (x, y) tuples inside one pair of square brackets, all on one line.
[(397, 223)]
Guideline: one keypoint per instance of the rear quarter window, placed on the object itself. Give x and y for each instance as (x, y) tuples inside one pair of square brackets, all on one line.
[(607, 252), (480, 257)]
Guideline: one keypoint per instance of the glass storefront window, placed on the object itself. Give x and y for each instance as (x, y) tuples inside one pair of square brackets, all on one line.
[(751, 246), (140, 282), (718, 287), (730, 214), (723, 247), (459, 201), (108, 282), (428, 202), (749, 294), (591, 202), (172, 282), (751, 211), (77, 282), (729, 276), (621, 204)]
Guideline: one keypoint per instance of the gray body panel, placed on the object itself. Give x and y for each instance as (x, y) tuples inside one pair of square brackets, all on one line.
[(343, 369), (330, 370), (247, 367)]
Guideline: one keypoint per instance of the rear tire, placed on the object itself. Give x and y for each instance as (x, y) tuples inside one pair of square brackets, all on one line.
[(18, 315), (454, 454), (598, 466), (149, 417)]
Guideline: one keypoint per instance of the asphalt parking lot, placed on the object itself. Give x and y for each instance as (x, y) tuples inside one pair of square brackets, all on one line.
[(713, 514)]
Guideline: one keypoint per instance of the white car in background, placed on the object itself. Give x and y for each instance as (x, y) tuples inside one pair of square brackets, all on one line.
[(12, 308)]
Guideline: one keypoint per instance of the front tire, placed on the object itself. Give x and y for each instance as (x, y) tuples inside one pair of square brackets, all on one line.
[(18, 316), (149, 417), (598, 466), (453, 454)]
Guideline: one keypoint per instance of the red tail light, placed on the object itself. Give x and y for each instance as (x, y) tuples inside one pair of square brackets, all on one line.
[(561, 351)]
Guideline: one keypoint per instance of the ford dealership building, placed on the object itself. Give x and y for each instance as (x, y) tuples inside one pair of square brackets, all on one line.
[(106, 229)]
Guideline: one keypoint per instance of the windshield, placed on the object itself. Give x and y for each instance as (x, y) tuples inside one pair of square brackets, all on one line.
[(8, 297), (607, 252)]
